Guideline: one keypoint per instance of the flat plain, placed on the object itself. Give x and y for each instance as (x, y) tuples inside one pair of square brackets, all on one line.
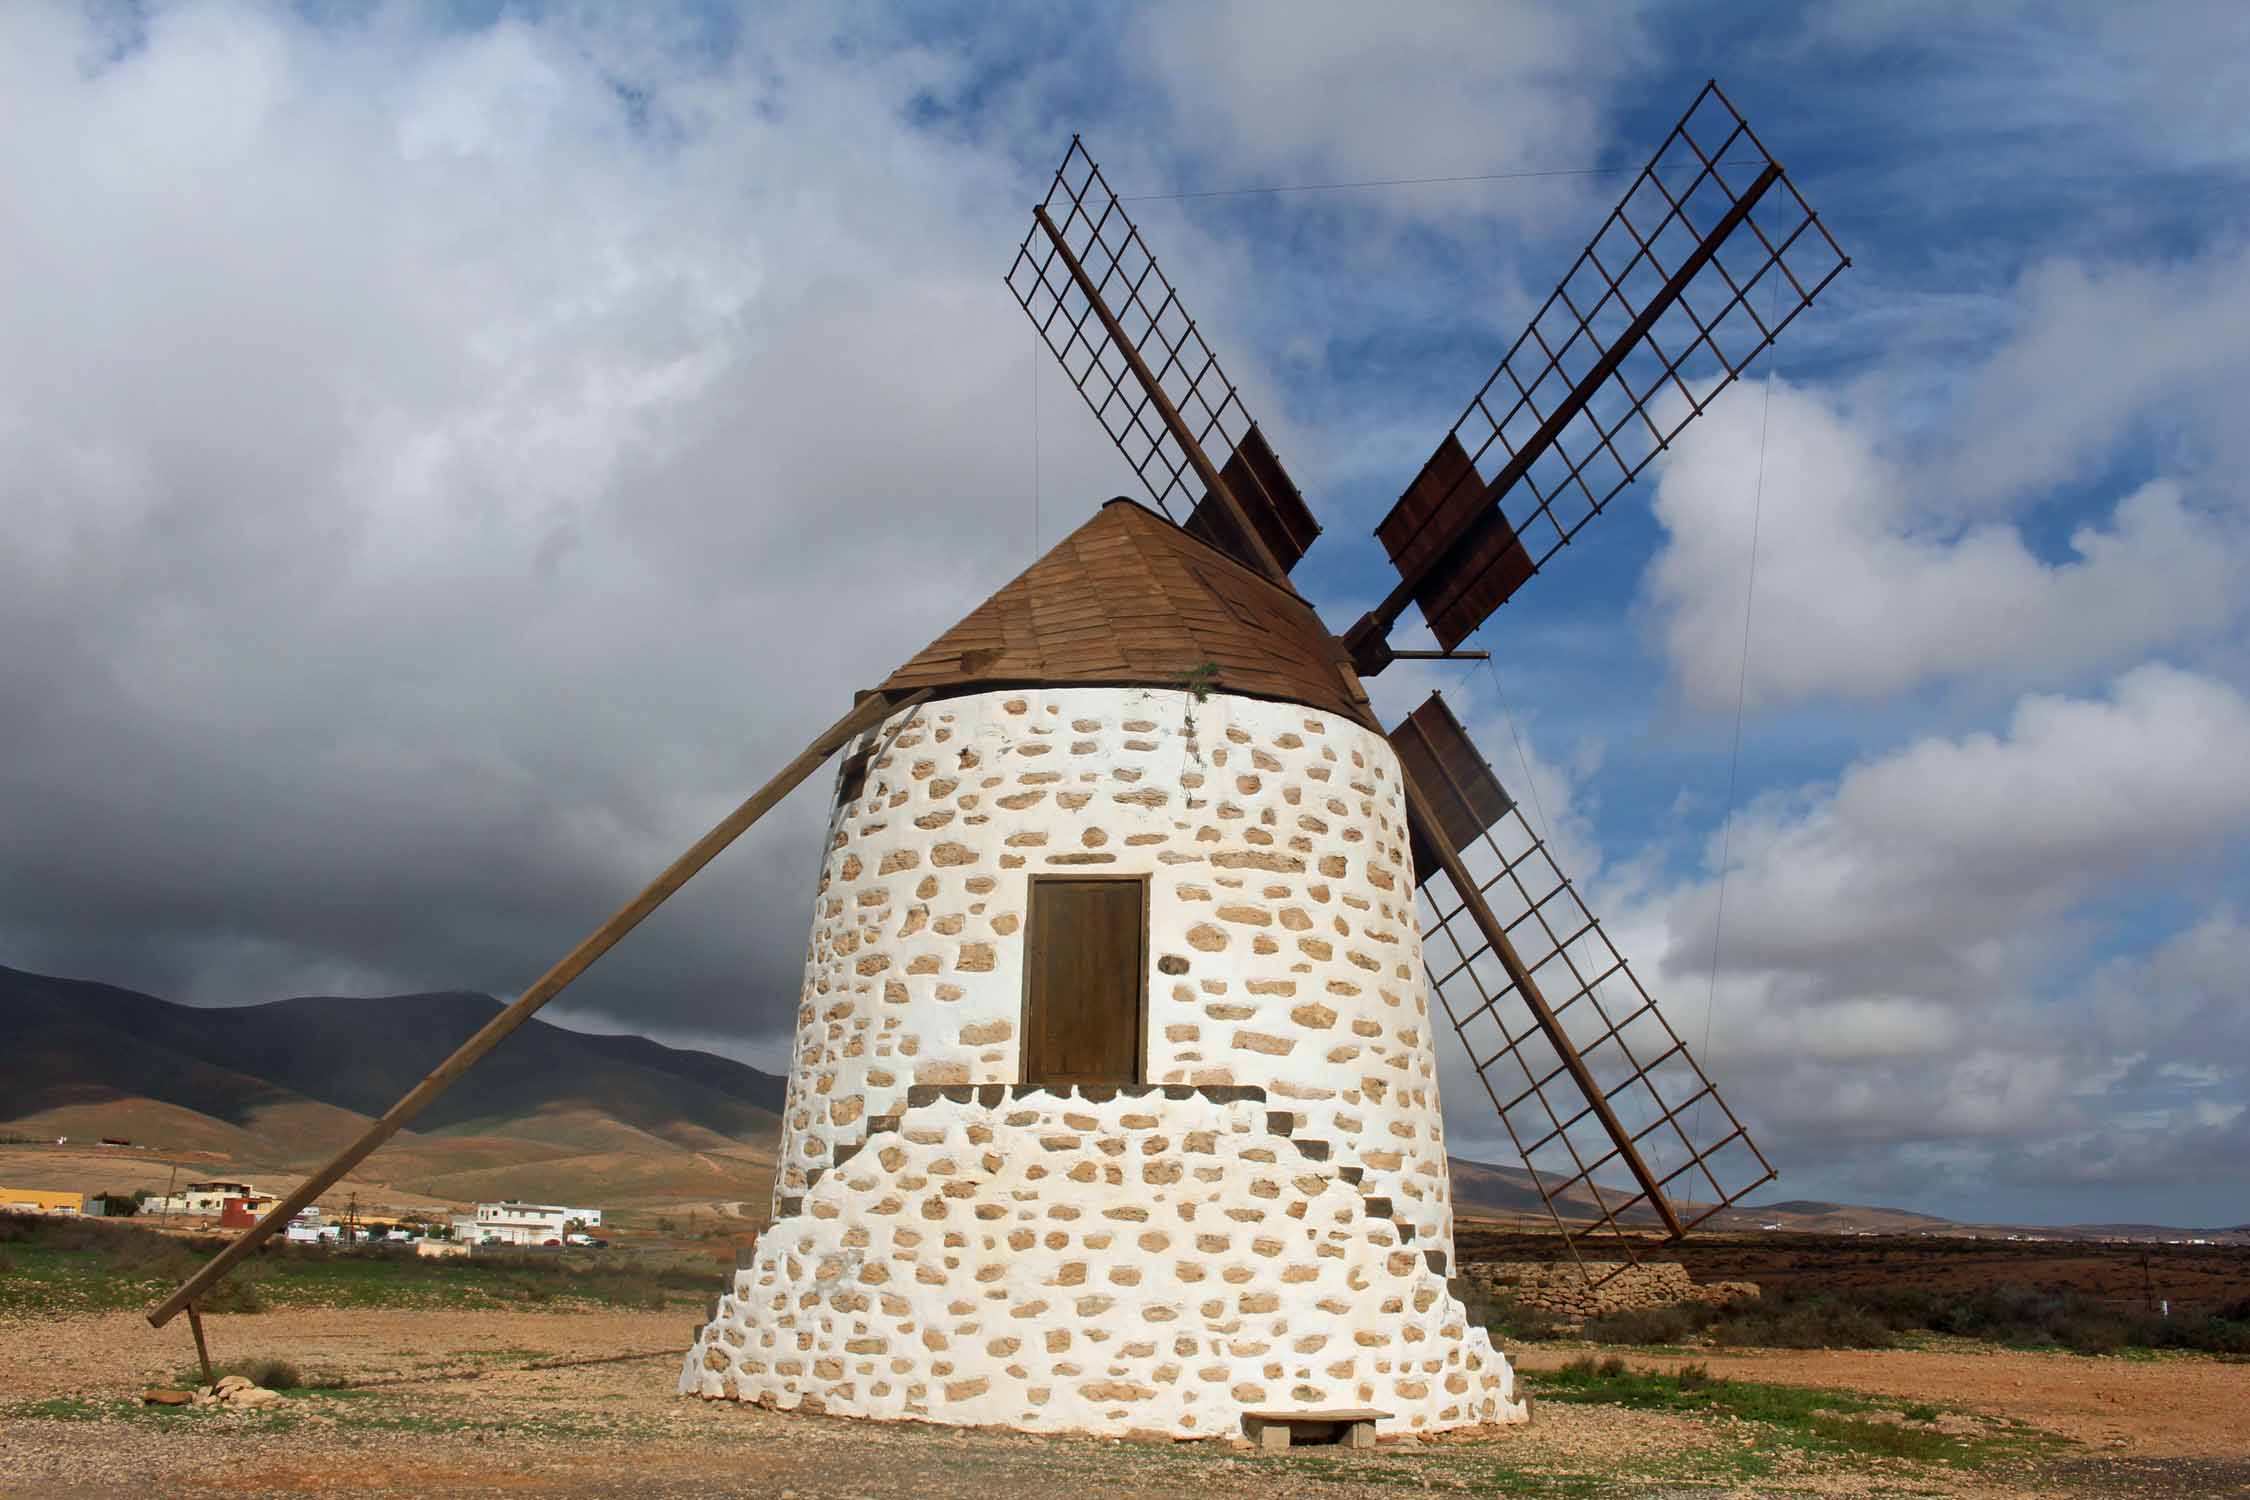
[(401, 1383)]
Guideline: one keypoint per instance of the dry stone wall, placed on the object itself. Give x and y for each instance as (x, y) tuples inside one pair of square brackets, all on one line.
[(1283, 945), (1108, 1260), (1603, 1287)]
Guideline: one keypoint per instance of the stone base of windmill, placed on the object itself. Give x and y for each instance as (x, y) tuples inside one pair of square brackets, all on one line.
[(1114, 1260)]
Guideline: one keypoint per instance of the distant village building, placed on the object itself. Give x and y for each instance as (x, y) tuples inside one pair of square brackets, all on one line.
[(41, 1201), (512, 1223), (210, 1198)]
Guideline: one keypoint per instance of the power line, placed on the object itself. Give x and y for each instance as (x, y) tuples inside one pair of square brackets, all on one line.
[(1376, 182)]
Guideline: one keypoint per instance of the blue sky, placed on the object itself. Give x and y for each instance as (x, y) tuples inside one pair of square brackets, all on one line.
[(453, 452)]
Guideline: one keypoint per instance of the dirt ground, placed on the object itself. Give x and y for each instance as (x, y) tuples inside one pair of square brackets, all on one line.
[(580, 1404)]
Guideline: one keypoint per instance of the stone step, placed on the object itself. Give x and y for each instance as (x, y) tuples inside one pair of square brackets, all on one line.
[(1379, 1208), (879, 1124), (1352, 1175), (1311, 1150), (1280, 1121), (1436, 1259), (792, 1206), (846, 1152), (812, 1177)]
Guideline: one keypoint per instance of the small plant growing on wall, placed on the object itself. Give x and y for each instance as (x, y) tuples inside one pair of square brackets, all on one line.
[(1197, 684)]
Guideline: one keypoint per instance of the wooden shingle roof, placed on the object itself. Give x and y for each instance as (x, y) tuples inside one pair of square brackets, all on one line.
[(1129, 599)]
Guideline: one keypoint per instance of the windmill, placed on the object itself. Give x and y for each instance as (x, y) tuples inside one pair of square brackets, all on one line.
[(1113, 1103), (1656, 316)]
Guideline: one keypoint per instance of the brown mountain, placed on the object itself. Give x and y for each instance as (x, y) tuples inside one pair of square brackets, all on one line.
[(552, 1113)]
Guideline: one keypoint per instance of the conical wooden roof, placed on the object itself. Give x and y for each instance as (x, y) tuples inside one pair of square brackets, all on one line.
[(1129, 599)]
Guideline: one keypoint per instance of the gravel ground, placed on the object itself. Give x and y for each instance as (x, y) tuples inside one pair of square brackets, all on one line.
[(579, 1404)]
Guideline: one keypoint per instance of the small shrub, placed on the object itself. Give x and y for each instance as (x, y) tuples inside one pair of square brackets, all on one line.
[(233, 1294), (1694, 1377), (273, 1374), (1511, 1321), (1802, 1322), (1611, 1368), (1647, 1325)]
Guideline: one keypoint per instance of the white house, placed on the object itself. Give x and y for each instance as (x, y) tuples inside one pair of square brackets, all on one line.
[(512, 1223)]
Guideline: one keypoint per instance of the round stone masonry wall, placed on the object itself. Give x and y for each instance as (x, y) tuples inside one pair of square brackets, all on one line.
[(1283, 944), (1111, 1260)]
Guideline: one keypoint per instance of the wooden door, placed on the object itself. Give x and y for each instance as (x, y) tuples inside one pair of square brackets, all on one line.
[(1085, 983)]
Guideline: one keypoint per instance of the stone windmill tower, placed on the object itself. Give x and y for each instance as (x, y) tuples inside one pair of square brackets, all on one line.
[(1114, 1101)]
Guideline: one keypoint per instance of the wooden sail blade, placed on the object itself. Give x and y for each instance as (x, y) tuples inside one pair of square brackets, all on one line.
[(1710, 254), (871, 710), (1617, 1123), (1086, 279), (1255, 475), (1465, 797)]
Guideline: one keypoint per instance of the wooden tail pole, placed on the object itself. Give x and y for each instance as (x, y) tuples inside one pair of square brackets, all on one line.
[(202, 1350), (870, 711), (1426, 823)]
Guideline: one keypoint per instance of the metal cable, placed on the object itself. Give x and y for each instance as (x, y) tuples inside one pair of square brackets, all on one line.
[(1741, 696), (1338, 187)]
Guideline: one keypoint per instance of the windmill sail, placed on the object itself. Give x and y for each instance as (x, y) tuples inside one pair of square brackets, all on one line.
[(1598, 1093), (1709, 255), (1107, 247)]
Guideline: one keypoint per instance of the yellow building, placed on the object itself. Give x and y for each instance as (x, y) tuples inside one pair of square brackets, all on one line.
[(41, 1201)]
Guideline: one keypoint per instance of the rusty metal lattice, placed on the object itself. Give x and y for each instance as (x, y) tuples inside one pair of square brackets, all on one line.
[(1710, 254), (1652, 1087), (1116, 260)]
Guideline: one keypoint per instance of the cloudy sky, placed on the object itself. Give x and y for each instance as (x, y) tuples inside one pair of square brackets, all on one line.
[(449, 455)]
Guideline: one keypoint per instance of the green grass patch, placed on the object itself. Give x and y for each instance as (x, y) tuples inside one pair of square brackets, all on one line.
[(66, 1266), (1829, 1423)]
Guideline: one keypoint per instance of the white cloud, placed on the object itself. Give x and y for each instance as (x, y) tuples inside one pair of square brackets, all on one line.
[(2098, 352), (1335, 91), (1861, 591), (439, 485), (1937, 856), (1902, 950)]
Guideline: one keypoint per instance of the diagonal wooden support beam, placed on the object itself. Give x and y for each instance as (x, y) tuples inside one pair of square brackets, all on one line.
[(1427, 826), (866, 714)]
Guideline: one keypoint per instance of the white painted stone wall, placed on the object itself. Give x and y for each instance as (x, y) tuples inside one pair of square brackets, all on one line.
[(1162, 1257), (1283, 948), (1150, 1261)]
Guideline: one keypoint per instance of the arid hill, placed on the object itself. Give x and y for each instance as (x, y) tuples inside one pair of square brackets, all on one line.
[(553, 1113)]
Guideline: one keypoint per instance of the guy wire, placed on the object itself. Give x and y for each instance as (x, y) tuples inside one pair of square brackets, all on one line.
[(1546, 832), (1037, 358), (1741, 696)]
